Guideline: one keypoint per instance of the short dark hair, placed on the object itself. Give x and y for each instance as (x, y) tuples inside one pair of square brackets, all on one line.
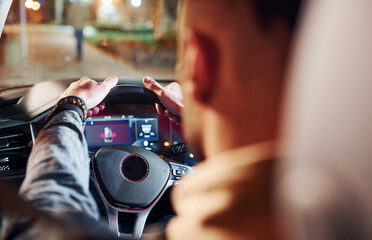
[(287, 10)]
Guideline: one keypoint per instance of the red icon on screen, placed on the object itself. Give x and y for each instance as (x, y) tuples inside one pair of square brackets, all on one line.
[(108, 135)]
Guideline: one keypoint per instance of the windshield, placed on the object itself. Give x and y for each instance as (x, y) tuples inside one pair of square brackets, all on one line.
[(58, 39)]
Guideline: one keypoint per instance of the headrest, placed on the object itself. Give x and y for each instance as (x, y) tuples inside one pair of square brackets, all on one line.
[(328, 111)]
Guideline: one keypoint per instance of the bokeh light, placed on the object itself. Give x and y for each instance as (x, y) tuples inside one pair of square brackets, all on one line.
[(35, 6), (29, 3), (136, 3), (107, 2)]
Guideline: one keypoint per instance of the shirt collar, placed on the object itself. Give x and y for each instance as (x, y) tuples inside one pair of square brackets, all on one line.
[(246, 154)]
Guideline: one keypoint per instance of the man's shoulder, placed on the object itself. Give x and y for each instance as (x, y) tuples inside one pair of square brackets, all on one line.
[(237, 166), (233, 195), (238, 176)]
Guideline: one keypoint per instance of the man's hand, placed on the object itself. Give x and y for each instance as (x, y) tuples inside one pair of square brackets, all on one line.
[(170, 96), (91, 92)]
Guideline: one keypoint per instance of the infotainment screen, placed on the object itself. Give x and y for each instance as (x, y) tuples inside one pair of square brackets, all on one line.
[(122, 130), (108, 132), (146, 129)]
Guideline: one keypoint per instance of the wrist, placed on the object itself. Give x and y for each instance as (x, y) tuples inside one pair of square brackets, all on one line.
[(74, 113), (70, 103)]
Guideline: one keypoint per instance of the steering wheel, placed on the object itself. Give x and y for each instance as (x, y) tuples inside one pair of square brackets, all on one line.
[(131, 180)]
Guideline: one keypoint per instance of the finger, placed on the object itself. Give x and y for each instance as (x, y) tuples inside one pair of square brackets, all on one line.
[(153, 85), (95, 111), (84, 79), (89, 113), (167, 113), (101, 106), (110, 82), (172, 85), (171, 116), (175, 119), (159, 109)]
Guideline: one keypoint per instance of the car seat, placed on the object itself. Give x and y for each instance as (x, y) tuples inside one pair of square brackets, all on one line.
[(324, 181)]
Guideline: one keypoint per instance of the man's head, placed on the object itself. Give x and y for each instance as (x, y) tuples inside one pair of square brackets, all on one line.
[(232, 55)]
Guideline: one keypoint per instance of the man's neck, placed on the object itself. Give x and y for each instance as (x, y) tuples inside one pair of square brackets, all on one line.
[(223, 133)]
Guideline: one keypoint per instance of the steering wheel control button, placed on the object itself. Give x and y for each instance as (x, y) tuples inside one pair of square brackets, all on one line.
[(179, 170), (134, 168)]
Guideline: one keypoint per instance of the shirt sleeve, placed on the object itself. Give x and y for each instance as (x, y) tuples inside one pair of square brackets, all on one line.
[(57, 175), (57, 181)]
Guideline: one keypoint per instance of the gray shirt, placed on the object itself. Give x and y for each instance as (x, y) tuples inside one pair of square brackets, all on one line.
[(57, 176), (57, 181)]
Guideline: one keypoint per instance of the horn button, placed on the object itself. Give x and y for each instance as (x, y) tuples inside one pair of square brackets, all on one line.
[(134, 168), (130, 177)]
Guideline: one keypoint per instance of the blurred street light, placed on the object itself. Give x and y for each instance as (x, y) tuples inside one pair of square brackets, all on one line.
[(107, 2), (29, 3), (136, 3), (36, 6)]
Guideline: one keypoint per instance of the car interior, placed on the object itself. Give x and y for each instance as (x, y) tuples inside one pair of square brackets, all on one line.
[(130, 120), (149, 152), (328, 114), (327, 122)]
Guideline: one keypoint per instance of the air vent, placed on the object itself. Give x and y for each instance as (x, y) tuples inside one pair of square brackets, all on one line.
[(11, 142), (9, 102), (15, 146)]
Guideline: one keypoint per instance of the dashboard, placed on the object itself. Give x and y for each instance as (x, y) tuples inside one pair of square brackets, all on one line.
[(130, 124), (137, 125), (130, 118)]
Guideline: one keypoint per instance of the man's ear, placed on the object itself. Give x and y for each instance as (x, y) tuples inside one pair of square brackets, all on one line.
[(201, 62)]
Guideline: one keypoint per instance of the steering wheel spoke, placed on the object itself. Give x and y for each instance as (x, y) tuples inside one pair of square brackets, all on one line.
[(134, 221), (137, 225)]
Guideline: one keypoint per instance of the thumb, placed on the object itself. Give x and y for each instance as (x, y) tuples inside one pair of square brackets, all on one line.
[(110, 82), (153, 85)]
